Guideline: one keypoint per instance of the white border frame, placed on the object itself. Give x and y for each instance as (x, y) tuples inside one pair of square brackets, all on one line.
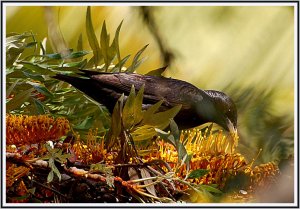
[(296, 93)]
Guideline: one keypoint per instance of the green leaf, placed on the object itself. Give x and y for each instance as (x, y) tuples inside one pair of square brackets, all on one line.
[(50, 177), (115, 43), (161, 119), (92, 38), (41, 88), (104, 43), (174, 129), (18, 100), (11, 38), (33, 76), (11, 88), (13, 53), (85, 124), (166, 136), (198, 173), (56, 56), (138, 114), (128, 110), (157, 72), (150, 111), (78, 54), (103, 168), (37, 68), (119, 66), (41, 109), (142, 133), (116, 118), (136, 62), (210, 188)]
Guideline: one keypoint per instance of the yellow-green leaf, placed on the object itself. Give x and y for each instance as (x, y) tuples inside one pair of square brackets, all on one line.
[(92, 38), (128, 111), (138, 114), (115, 43), (150, 111), (198, 173), (142, 133), (161, 119), (116, 119), (104, 42), (18, 100)]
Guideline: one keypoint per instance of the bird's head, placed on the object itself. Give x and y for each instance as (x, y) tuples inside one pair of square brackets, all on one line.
[(225, 112)]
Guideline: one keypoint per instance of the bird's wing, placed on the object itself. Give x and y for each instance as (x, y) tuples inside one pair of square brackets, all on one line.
[(171, 91)]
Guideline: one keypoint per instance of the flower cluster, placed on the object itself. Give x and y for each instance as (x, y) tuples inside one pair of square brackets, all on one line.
[(216, 153), (26, 130), (264, 174), (93, 150)]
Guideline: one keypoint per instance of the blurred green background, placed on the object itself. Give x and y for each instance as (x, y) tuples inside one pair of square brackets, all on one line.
[(245, 51)]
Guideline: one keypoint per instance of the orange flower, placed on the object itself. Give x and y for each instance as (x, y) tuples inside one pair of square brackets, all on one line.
[(26, 130)]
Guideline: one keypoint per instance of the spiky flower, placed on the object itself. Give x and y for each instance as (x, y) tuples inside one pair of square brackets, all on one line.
[(26, 130)]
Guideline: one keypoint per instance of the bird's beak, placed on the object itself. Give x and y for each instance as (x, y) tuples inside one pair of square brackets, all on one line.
[(232, 129), (233, 135)]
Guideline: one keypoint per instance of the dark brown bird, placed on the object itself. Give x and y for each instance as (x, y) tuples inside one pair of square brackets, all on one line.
[(198, 106)]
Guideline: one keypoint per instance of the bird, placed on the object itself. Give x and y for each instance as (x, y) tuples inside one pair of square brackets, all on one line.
[(198, 106)]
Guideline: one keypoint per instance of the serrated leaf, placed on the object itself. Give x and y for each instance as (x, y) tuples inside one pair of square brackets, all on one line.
[(136, 62), (128, 110), (93, 42), (18, 100), (198, 173)]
